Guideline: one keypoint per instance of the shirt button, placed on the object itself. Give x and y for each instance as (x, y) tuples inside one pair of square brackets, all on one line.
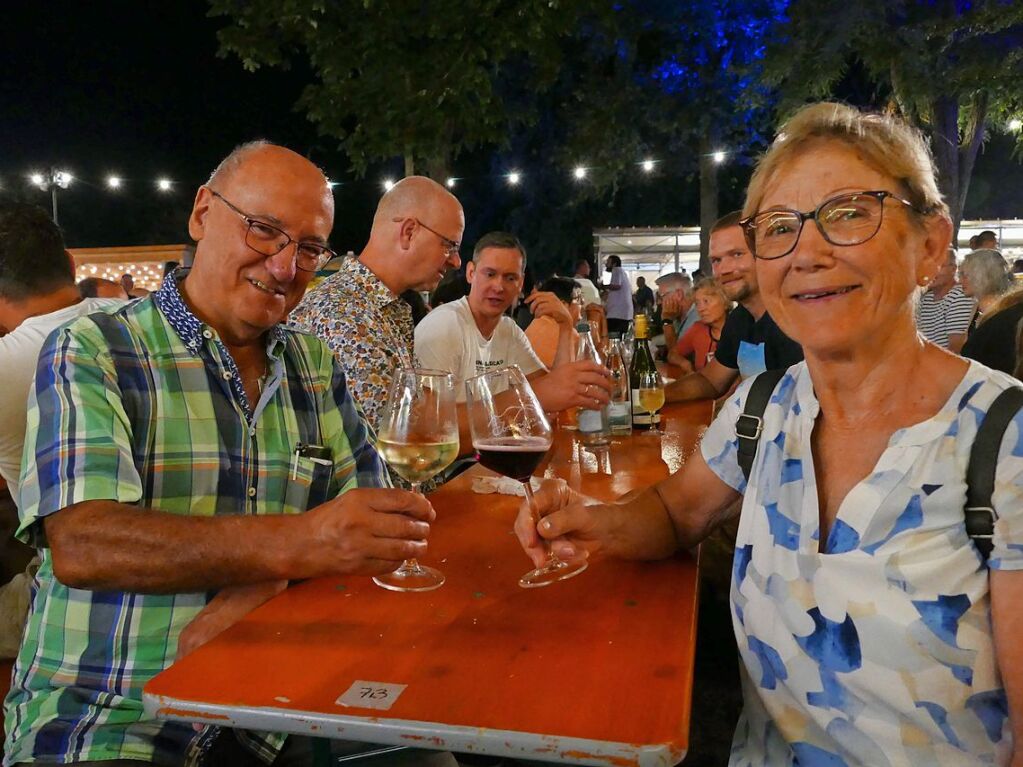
[(207, 333), (252, 492), (228, 375)]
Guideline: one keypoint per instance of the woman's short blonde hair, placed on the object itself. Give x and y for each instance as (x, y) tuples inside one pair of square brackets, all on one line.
[(886, 142), (711, 285)]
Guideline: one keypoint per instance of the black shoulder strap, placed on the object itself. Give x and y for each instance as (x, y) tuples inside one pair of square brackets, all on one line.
[(980, 473), (751, 422)]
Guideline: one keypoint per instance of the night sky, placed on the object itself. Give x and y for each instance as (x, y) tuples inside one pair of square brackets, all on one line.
[(137, 89)]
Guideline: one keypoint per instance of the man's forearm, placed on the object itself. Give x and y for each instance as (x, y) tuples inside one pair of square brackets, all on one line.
[(565, 352), (692, 386), (103, 545)]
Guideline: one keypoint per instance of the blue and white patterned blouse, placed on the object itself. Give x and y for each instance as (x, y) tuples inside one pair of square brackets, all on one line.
[(878, 651)]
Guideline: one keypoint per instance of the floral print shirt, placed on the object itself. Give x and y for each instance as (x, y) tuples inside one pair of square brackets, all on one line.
[(368, 328)]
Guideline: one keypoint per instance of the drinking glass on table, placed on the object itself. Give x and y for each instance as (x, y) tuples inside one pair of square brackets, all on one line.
[(651, 393), (511, 434), (418, 438)]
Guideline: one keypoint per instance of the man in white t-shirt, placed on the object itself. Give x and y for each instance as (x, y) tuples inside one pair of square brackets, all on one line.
[(619, 297), (37, 295), (472, 335), (582, 276)]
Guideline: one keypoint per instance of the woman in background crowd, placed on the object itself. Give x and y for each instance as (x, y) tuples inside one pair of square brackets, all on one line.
[(696, 346), (542, 332), (985, 277), (997, 340)]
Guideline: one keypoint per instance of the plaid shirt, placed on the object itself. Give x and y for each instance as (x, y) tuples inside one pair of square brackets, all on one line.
[(145, 406)]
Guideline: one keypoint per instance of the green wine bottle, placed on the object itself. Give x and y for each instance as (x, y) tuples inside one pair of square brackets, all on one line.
[(642, 362)]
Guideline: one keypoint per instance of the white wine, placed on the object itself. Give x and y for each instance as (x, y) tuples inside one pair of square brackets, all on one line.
[(651, 399), (418, 461)]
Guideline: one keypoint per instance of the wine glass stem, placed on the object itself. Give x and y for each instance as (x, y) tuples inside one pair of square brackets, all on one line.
[(413, 563), (528, 488)]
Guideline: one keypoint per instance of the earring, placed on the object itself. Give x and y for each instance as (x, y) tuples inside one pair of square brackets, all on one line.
[(924, 280)]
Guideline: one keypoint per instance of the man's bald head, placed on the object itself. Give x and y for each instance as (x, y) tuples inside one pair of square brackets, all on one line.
[(414, 197), (416, 233), (241, 282)]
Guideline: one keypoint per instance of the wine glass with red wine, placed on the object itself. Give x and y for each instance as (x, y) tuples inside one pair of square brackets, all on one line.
[(511, 434)]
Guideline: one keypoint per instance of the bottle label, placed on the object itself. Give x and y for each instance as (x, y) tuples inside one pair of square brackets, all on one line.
[(641, 417), (591, 421), (620, 417)]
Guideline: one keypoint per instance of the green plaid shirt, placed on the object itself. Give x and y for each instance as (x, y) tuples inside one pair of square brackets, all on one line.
[(145, 406)]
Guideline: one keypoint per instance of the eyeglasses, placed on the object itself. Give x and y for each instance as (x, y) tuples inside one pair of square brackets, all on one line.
[(451, 247), (848, 219), (268, 240)]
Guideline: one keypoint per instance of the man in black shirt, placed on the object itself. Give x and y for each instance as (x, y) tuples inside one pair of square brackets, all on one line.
[(750, 341)]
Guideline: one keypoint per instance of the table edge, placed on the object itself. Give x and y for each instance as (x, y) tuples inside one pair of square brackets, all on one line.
[(418, 734)]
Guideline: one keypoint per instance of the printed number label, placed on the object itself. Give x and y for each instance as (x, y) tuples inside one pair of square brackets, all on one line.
[(378, 695)]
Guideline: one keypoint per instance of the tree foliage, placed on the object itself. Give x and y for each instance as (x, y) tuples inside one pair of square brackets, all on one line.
[(951, 67), (426, 81)]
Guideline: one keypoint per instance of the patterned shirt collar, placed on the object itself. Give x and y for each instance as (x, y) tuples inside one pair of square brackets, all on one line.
[(361, 277), (190, 328)]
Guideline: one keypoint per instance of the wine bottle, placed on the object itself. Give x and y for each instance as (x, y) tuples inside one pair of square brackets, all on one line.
[(642, 362), (620, 409), (593, 426)]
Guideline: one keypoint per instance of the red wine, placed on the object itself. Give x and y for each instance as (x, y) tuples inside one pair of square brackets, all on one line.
[(515, 457)]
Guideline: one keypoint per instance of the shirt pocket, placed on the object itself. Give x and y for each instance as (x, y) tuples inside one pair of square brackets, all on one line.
[(308, 483)]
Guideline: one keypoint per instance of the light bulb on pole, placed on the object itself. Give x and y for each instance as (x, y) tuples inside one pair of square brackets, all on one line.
[(51, 180)]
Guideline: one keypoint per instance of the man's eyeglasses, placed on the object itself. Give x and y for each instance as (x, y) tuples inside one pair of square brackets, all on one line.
[(848, 219), (451, 247), (268, 240)]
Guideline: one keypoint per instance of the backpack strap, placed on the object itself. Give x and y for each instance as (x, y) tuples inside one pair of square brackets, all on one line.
[(750, 422), (980, 473)]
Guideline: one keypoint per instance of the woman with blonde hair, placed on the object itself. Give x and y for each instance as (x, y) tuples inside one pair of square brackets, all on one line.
[(697, 345), (871, 628)]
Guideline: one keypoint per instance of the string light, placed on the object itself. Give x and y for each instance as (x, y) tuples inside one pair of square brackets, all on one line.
[(718, 157), (579, 172), (451, 182), (146, 274), (648, 166), (388, 185), (1015, 125), (114, 182), (37, 179), (163, 184), (514, 178)]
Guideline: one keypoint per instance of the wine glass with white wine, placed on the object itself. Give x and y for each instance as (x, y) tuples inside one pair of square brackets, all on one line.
[(650, 386), (418, 438), (512, 435)]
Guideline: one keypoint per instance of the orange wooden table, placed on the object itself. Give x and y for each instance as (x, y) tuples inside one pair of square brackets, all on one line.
[(594, 670)]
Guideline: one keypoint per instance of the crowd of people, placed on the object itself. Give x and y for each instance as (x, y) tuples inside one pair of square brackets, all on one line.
[(155, 445)]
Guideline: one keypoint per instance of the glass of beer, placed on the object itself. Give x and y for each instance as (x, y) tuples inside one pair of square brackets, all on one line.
[(651, 394), (512, 435), (419, 439)]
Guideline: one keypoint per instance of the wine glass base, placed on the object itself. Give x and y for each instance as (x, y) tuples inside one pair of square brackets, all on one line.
[(416, 578), (552, 572)]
